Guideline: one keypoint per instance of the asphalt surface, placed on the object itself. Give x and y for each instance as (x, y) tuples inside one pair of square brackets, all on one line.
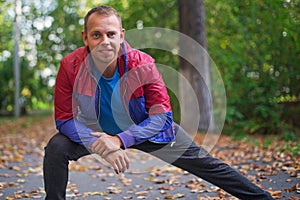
[(147, 178)]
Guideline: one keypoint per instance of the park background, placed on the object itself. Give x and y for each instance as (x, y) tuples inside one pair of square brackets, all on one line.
[(254, 44)]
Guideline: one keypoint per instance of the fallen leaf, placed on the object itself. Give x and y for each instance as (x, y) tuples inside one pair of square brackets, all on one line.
[(175, 196), (127, 198), (114, 190), (142, 193), (26, 195), (293, 188), (166, 188), (11, 184), (96, 193), (125, 181), (275, 194), (154, 180), (36, 196), (15, 168), (76, 167), (294, 198)]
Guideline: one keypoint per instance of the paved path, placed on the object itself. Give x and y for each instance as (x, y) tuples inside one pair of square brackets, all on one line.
[(148, 178), (21, 154)]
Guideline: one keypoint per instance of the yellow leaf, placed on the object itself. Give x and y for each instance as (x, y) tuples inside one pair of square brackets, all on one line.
[(26, 195), (267, 159), (275, 194), (175, 196)]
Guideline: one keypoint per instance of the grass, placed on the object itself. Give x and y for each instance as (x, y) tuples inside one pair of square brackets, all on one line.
[(285, 142), (24, 120)]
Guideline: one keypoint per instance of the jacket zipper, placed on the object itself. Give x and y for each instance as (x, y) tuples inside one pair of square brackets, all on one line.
[(124, 101), (98, 98)]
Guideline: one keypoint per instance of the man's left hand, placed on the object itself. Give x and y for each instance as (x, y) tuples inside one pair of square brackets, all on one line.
[(105, 144)]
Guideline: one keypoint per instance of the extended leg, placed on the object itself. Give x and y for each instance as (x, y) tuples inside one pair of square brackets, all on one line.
[(58, 152), (185, 154)]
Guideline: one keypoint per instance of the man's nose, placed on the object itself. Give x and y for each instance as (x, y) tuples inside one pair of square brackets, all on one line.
[(105, 41)]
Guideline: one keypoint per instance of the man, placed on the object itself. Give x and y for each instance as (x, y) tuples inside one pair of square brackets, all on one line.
[(110, 97)]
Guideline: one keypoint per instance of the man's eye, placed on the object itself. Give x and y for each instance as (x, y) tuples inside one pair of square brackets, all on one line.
[(111, 35), (96, 35)]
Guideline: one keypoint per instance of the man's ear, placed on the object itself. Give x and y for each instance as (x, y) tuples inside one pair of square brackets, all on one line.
[(84, 38), (122, 36)]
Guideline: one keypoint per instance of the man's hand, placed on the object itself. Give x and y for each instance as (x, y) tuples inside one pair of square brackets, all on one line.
[(105, 144), (118, 160)]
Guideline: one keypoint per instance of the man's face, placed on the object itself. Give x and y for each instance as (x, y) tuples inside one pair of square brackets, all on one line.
[(104, 36)]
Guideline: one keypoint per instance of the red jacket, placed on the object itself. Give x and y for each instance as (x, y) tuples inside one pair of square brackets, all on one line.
[(143, 93)]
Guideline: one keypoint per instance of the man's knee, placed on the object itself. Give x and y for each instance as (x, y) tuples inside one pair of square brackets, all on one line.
[(57, 145)]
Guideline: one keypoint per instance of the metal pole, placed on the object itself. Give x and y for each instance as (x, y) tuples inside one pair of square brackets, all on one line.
[(16, 61)]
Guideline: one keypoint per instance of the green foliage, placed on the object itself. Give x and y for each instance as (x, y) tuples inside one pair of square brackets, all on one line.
[(255, 44), (32, 84), (51, 30), (294, 149)]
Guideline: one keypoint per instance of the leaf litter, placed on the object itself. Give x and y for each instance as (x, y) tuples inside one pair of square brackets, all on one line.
[(256, 162)]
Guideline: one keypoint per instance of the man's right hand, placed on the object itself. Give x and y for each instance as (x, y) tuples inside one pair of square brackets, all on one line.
[(118, 160), (105, 143)]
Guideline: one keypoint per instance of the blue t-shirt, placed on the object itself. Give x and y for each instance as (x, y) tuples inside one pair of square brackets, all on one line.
[(113, 117)]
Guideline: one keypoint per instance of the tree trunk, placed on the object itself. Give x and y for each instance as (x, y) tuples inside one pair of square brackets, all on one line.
[(194, 65), (16, 62)]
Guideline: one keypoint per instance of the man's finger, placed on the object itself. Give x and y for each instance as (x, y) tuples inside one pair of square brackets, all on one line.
[(123, 161), (105, 153), (115, 166), (97, 148), (94, 145), (100, 151), (109, 150), (119, 164), (124, 164), (97, 134), (127, 161)]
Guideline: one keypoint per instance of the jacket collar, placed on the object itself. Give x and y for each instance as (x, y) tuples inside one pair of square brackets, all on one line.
[(84, 83)]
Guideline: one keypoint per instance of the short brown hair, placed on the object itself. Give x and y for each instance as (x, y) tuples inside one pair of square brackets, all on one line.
[(101, 10)]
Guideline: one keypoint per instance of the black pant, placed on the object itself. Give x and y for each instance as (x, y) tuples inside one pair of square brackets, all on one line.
[(184, 153)]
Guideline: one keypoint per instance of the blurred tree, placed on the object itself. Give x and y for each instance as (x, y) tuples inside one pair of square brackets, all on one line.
[(33, 90), (255, 47), (6, 55), (254, 43), (195, 69)]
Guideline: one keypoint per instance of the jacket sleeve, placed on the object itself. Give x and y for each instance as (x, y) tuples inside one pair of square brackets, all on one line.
[(65, 107), (76, 131), (150, 127), (157, 104)]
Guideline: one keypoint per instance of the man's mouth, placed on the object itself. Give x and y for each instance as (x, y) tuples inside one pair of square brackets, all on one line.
[(105, 51)]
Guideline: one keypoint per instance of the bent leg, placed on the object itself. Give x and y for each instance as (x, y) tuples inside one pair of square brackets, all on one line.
[(59, 150), (185, 154)]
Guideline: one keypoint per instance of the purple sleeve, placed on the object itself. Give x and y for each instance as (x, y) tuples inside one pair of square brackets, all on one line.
[(76, 131), (138, 133)]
